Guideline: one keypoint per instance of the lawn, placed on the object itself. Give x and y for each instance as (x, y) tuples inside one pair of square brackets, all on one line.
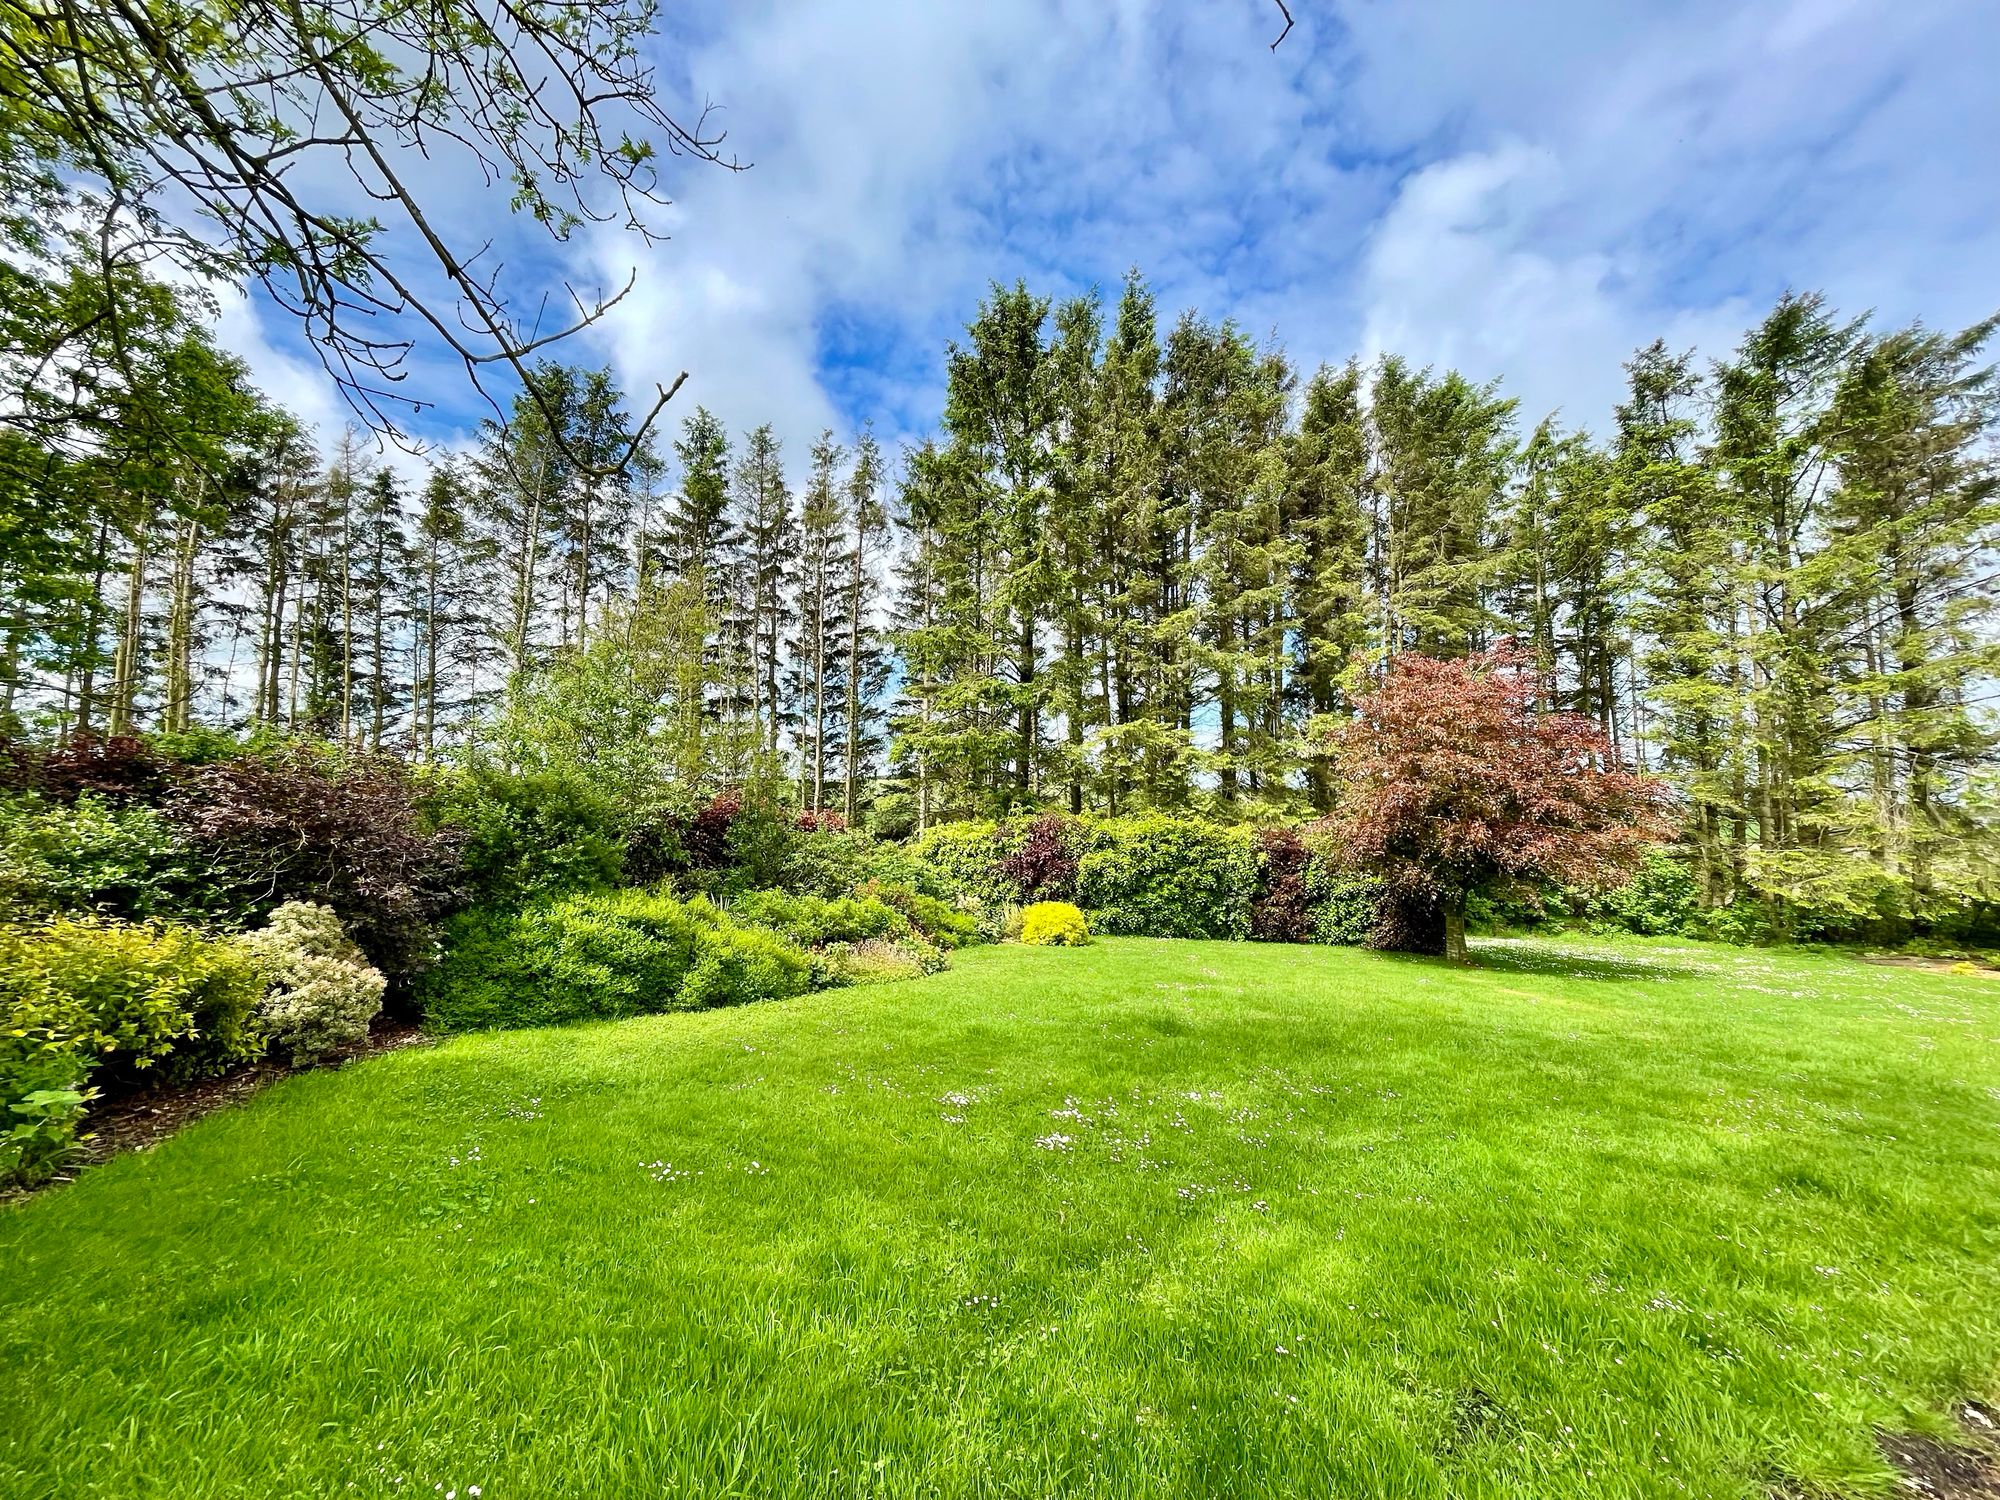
[(1145, 1218)]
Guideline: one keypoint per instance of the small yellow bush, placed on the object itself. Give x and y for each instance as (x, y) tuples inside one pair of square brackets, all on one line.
[(1054, 923)]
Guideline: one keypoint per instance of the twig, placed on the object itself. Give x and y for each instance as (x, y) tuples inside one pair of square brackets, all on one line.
[(1283, 11)]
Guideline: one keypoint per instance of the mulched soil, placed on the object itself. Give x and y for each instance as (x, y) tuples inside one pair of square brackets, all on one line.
[(1950, 1471)]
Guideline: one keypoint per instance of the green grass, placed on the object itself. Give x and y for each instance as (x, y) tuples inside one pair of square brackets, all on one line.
[(1142, 1218)]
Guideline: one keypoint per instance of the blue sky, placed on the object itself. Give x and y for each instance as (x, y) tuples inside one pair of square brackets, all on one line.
[(1524, 191)]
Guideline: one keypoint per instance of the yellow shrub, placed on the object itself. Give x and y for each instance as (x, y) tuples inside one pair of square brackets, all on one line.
[(1054, 923)]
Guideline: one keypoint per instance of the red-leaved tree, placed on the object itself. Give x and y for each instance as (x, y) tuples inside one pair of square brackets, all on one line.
[(1451, 780)]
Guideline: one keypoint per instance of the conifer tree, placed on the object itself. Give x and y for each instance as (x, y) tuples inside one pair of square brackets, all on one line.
[(766, 564), (814, 684), (866, 669)]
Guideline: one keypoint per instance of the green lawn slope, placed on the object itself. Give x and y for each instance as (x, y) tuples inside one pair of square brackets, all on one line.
[(1144, 1218)]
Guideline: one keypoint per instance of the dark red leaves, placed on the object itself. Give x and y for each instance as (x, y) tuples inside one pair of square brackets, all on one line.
[(1282, 911), (1044, 867), (343, 830), (1451, 778)]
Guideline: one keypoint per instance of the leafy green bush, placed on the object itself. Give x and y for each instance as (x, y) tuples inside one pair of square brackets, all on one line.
[(133, 995), (530, 834), (86, 997), (760, 843), (42, 1091), (940, 921), (735, 965), (323, 991), (814, 921), (1152, 875), (965, 859), (91, 855), (838, 863), (1344, 905), (1054, 924), (749, 839), (1660, 901), (603, 955), (1160, 876)]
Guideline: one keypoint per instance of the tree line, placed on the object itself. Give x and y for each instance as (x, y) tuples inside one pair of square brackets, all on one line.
[(1141, 564)]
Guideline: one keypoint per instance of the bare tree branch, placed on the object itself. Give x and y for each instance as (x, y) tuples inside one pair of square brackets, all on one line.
[(1288, 24), (179, 143)]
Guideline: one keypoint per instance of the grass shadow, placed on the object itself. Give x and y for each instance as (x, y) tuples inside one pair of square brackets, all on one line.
[(1516, 957)]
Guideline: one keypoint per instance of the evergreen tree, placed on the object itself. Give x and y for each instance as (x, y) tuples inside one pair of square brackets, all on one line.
[(814, 685), (1326, 512), (866, 670), (999, 412), (767, 565)]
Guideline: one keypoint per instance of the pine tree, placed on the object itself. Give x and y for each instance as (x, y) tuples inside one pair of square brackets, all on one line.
[(695, 536), (381, 559), (1686, 606), (1079, 465), (441, 602), (1327, 512), (1917, 505), (1443, 449), (763, 520), (521, 472), (999, 413), (866, 669), (1140, 752), (814, 685), (1772, 451)]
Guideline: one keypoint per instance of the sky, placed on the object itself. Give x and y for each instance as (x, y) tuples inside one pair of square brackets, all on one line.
[(1524, 192)]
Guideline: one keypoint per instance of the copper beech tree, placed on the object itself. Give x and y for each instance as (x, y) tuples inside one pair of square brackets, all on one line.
[(1453, 781)]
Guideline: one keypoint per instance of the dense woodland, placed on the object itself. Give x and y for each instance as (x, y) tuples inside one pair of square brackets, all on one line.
[(1145, 563)]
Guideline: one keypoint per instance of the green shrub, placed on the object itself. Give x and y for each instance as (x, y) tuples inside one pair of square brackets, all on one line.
[(1660, 901), (86, 997), (132, 995), (1054, 924), (760, 842), (940, 921), (965, 859), (814, 921), (323, 992), (603, 955), (1153, 875), (837, 863), (530, 834), (1160, 876), (116, 860), (42, 1093), (1344, 905), (736, 965)]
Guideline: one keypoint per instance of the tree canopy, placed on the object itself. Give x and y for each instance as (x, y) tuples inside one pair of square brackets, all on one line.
[(1452, 778)]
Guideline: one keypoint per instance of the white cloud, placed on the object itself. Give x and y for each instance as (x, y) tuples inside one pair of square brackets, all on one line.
[(1457, 275), (1527, 191)]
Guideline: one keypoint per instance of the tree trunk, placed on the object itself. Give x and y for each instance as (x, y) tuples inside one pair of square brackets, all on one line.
[(132, 638), (1454, 928), (347, 619), (853, 747)]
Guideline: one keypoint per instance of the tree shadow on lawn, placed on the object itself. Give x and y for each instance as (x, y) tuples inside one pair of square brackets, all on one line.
[(1515, 956)]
